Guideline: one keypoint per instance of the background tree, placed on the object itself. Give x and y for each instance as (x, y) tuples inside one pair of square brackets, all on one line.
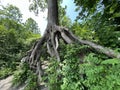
[(15, 40), (101, 17), (11, 12), (31, 25)]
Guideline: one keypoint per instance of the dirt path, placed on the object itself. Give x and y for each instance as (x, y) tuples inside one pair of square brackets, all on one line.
[(6, 84)]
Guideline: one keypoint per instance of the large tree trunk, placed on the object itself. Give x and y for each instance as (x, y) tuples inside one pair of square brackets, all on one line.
[(50, 38), (52, 12)]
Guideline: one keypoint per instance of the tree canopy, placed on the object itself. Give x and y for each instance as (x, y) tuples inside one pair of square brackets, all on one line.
[(15, 39), (32, 25)]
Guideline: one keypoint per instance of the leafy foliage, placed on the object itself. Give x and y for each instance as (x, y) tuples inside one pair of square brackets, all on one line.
[(37, 5), (15, 39), (93, 74), (11, 12), (102, 18), (53, 75), (25, 76), (81, 67), (5, 72), (31, 25), (70, 69), (21, 75), (83, 31)]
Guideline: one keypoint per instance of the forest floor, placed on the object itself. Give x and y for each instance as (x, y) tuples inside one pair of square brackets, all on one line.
[(6, 84)]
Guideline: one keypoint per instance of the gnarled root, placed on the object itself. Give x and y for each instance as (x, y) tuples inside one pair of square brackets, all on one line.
[(51, 40)]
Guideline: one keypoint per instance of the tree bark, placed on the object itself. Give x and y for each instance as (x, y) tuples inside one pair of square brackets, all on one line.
[(52, 12), (107, 51), (50, 38)]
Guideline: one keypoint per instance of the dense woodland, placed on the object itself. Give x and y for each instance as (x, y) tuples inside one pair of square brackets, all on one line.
[(79, 55)]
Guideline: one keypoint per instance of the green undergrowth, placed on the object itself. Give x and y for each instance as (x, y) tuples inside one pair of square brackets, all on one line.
[(13, 46), (5, 72), (24, 76), (81, 68), (84, 69)]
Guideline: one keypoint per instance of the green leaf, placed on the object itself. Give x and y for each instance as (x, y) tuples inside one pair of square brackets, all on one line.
[(116, 15), (111, 61)]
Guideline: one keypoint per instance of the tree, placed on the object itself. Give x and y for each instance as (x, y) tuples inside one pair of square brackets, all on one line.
[(102, 17), (11, 12), (51, 37), (32, 25), (15, 40)]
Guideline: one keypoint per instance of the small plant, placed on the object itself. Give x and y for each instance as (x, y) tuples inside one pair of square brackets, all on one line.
[(31, 82), (4, 72), (72, 79), (101, 74), (53, 75), (20, 75), (25, 76), (94, 73)]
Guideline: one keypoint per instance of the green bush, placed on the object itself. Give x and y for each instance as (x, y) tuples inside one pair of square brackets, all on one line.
[(53, 75), (4, 72), (24, 76), (94, 73), (31, 82), (72, 78), (20, 75)]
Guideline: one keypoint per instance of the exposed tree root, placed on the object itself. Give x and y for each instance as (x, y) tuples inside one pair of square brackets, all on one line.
[(99, 48), (51, 40)]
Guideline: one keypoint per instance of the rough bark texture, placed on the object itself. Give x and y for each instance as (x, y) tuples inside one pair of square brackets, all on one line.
[(52, 12)]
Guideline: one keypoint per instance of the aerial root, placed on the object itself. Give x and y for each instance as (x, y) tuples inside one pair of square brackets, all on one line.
[(51, 40)]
